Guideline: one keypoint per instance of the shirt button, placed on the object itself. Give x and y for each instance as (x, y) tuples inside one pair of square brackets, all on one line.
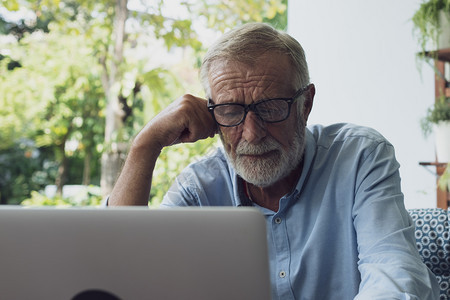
[(278, 220), (282, 274)]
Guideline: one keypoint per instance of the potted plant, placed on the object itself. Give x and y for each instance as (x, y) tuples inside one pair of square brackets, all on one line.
[(438, 121), (432, 23)]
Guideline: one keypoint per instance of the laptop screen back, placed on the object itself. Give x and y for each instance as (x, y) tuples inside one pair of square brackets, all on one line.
[(133, 253)]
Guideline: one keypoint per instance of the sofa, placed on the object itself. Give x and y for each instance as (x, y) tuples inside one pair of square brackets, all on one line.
[(432, 240)]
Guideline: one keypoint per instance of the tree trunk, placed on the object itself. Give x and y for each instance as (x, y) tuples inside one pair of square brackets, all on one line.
[(114, 154), (87, 168), (62, 169)]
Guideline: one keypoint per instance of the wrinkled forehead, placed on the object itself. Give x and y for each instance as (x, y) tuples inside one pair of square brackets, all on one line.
[(269, 76)]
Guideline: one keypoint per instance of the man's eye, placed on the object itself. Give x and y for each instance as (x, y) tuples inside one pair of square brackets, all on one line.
[(270, 109), (229, 111)]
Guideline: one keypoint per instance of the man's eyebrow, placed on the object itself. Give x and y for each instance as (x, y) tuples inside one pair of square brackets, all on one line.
[(228, 101), (264, 97)]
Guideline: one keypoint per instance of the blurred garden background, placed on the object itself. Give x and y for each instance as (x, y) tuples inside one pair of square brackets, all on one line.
[(79, 78)]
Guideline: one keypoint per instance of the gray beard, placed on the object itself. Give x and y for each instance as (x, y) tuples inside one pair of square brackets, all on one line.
[(264, 172)]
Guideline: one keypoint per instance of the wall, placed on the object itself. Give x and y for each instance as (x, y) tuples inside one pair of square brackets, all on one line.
[(361, 56)]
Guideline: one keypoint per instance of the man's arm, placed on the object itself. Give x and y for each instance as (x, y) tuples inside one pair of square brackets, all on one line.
[(389, 263), (186, 120)]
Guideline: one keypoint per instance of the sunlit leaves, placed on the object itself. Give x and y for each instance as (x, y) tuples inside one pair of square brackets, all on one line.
[(224, 14), (11, 5), (57, 94)]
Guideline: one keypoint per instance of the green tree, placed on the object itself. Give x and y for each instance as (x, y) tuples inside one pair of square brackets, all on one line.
[(55, 78), (227, 14), (86, 66), (24, 168), (101, 24)]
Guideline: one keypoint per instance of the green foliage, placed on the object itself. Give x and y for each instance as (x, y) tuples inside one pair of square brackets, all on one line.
[(54, 98), (439, 111), (20, 104), (427, 22), (11, 5), (91, 196), (24, 168), (21, 28), (444, 180), (223, 15), (53, 78)]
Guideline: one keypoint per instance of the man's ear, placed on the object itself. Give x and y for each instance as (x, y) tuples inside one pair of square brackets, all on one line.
[(308, 103)]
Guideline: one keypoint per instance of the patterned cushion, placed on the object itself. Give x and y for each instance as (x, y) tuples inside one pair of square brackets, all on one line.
[(433, 242)]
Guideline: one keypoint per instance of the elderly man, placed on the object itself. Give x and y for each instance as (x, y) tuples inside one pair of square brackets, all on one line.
[(336, 222)]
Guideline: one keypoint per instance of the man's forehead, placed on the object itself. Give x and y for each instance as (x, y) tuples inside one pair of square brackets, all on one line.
[(271, 77), (265, 61)]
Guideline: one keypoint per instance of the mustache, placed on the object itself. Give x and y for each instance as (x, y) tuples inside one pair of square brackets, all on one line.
[(245, 148)]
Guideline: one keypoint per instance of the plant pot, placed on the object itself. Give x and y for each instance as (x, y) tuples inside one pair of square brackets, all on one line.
[(442, 137), (443, 40)]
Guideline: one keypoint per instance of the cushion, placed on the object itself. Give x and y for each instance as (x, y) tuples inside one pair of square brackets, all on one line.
[(432, 240)]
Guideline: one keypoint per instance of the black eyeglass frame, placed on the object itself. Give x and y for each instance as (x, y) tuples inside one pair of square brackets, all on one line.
[(252, 107)]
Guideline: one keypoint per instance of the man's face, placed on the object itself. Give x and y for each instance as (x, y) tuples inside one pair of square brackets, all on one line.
[(261, 153)]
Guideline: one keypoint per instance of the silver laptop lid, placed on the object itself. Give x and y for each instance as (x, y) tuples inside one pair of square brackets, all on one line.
[(133, 253)]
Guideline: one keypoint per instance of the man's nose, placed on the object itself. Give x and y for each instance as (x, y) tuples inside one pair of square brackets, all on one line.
[(254, 129)]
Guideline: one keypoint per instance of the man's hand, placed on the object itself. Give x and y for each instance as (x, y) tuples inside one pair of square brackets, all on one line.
[(185, 120)]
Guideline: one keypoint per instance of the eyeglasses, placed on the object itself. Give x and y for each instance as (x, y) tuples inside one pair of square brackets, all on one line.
[(269, 110)]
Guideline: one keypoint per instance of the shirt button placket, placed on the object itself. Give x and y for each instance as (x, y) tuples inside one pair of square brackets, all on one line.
[(283, 257), (278, 221)]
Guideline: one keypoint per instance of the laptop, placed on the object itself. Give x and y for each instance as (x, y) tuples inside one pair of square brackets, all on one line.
[(133, 253)]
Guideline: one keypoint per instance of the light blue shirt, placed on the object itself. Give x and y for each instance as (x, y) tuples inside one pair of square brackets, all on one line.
[(342, 233)]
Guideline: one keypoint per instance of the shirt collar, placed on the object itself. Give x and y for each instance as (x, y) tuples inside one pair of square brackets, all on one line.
[(308, 157)]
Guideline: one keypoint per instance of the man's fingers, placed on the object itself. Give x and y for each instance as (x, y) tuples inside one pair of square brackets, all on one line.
[(186, 120)]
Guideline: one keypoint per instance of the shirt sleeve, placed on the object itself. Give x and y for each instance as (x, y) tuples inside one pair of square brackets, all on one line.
[(178, 195), (207, 182), (389, 263)]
